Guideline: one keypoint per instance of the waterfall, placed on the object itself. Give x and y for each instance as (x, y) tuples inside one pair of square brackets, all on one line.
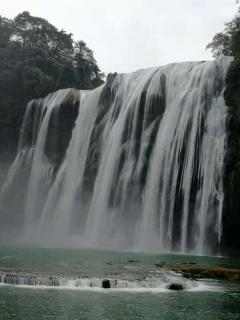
[(142, 168)]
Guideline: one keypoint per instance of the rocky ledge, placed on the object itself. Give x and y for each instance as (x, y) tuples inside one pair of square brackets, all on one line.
[(195, 272)]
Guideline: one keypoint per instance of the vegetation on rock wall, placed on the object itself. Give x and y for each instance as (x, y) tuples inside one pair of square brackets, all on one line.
[(228, 43), (36, 58)]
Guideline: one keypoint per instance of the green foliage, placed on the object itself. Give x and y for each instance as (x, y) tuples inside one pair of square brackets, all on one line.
[(86, 66), (227, 43), (35, 59)]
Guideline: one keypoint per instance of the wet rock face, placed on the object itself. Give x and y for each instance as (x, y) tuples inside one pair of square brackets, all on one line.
[(9, 134), (231, 210), (61, 124)]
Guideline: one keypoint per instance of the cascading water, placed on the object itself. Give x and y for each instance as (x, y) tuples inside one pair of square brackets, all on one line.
[(143, 169)]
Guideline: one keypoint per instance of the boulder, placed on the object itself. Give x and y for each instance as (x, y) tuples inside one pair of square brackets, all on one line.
[(196, 272), (175, 286), (106, 284)]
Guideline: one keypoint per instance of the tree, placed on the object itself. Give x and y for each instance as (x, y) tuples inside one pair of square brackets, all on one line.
[(227, 42), (36, 58), (5, 31), (87, 70)]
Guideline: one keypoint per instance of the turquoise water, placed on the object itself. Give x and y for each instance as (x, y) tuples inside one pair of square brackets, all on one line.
[(18, 303), (221, 301)]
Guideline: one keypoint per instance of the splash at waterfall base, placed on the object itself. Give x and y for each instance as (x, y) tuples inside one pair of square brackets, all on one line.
[(136, 164)]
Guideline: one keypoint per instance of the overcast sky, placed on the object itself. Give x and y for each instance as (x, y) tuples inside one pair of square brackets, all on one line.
[(126, 35)]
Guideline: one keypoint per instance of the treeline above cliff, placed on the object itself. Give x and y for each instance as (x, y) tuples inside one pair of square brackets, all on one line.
[(227, 43), (36, 58)]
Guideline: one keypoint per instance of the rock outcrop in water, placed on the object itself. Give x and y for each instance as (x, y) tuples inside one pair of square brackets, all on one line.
[(106, 284), (196, 272), (143, 168), (176, 287)]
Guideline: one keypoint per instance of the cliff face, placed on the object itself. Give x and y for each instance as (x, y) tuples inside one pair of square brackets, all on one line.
[(60, 128), (231, 208), (10, 125)]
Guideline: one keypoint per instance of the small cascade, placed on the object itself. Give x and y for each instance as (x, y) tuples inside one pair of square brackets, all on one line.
[(28, 280), (163, 282), (135, 164)]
